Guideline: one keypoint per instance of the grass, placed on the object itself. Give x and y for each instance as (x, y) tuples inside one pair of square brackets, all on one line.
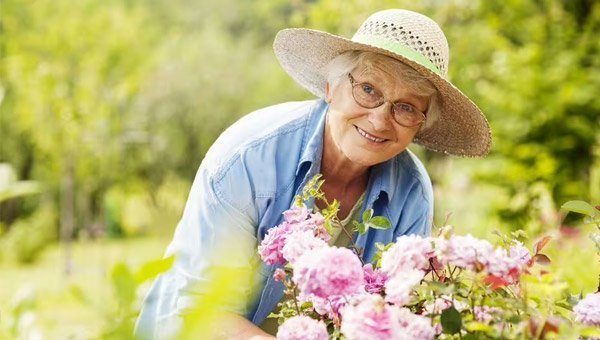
[(59, 313)]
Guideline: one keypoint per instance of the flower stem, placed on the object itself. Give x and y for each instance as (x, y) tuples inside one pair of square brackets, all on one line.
[(433, 269), (336, 221), (296, 300), (352, 244)]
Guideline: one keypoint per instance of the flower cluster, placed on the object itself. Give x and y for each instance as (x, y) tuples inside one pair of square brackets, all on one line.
[(306, 230), (302, 327), (587, 311), (417, 288)]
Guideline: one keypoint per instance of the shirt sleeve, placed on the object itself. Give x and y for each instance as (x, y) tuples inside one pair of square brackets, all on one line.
[(215, 236)]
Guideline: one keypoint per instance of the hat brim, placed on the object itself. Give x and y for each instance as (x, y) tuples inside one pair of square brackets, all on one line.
[(461, 128)]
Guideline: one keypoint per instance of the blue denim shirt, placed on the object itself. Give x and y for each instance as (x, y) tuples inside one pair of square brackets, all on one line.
[(249, 177)]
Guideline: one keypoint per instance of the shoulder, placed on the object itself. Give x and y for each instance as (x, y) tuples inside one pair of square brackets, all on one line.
[(258, 128), (257, 157)]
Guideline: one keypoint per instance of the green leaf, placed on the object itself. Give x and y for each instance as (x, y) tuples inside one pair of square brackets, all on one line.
[(329, 227), (475, 326), (441, 288), (380, 222), (580, 207), (367, 214), (451, 320), (519, 234), (153, 268), (590, 332), (514, 319), (313, 188), (298, 201), (123, 283), (573, 299), (470, 337), (564, 305), (361, 228)]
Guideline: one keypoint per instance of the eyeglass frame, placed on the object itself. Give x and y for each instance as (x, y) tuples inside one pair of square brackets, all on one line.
[(382, 101)]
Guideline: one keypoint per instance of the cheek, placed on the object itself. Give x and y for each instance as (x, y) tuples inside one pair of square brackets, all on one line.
[(342, 121)]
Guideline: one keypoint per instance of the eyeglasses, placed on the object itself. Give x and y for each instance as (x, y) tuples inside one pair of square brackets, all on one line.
[(367, 96)]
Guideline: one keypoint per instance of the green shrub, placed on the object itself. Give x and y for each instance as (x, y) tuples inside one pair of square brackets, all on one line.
[(136, 209), (28, 236)]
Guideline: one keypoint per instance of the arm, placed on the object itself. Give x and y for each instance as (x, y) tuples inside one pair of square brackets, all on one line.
[(240, 328), (214, 236)]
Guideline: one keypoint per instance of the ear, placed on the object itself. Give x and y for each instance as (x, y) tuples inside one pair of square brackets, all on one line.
[(328, 93)]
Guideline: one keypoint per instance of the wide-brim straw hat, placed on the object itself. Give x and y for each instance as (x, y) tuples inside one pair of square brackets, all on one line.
[(412, 38)]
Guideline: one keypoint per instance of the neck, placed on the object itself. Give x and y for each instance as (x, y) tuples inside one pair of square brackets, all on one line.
[(345, 180), (338, 170)]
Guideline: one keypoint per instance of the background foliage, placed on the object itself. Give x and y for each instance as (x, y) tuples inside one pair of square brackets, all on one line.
[(107, 108)]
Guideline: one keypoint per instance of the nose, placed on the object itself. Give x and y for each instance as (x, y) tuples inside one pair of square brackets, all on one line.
[(380, 117)]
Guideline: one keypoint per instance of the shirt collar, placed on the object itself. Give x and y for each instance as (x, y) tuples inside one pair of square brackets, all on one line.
[(312, 142)]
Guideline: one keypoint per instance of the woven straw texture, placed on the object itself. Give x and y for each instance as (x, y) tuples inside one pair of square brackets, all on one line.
[(461, 129)]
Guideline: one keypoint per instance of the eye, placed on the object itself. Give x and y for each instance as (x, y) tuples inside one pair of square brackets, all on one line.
[(404, 108), (368, 89)]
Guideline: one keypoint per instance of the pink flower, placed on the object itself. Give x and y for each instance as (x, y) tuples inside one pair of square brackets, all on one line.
[(279, 275), (413, 326), (374, 279), (321, 305), (500, 264), (319, 227), (587, 311), (298, 243), (296, 214), (408, 253), (437, 306), (329, 271), (520, 253), (296, 219), (368, 318), (464, 251), (316, 223), (271, 246), (329, 306), (302, 327), (486, 314), (441, 303), (398, 289)]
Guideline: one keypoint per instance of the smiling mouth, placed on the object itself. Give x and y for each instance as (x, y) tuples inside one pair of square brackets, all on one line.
[(369, 136)]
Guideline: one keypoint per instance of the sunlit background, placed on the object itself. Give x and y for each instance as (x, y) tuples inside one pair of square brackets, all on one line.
[(108, 107)]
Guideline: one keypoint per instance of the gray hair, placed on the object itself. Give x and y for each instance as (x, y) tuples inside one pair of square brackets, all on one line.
[(338, 69)]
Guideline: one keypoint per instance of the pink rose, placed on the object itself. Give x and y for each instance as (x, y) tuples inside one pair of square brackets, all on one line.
[(329, 271), (297, 243), (374, 279), (302, 328)]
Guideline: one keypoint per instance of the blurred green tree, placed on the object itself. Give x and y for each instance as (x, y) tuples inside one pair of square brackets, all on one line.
[(534, 67), (98, 94)]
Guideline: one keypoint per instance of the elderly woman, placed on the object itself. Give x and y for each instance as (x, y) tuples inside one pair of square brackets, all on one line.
[(379, 91)]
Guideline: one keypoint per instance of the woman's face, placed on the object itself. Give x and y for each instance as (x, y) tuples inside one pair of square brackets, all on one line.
[(370, 136)]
